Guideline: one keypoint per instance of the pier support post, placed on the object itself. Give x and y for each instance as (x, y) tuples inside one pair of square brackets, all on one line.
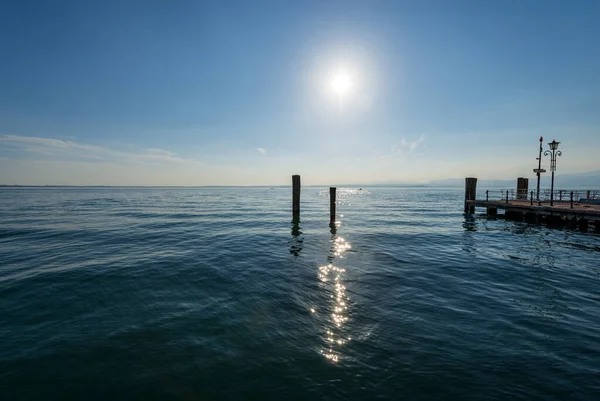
[(531, 217), (522, 188), (583, 224), (597, 226), (512, 215), (492, 211), (556, 221), (332, 205), (470, 194), (296, 198)]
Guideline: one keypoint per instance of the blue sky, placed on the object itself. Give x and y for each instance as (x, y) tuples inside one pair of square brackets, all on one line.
[(239, 93)]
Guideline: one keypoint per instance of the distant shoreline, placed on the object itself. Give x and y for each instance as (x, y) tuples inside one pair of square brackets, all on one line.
[(232, 186)]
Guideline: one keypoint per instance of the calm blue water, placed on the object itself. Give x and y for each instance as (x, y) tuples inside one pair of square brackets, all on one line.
[(211, 294)]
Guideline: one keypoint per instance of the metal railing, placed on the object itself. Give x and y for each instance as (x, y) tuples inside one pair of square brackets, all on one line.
[(560, 195)]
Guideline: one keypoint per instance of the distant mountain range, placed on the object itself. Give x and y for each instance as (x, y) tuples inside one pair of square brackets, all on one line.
[(589, 180)]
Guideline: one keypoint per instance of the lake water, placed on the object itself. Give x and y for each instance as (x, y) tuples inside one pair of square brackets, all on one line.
[(212, 294)]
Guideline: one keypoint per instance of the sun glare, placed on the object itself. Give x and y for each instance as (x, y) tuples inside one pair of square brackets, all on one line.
[(341, 83)]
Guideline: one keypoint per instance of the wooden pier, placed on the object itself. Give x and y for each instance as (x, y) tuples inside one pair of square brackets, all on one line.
[(560, 209), (572, 211)]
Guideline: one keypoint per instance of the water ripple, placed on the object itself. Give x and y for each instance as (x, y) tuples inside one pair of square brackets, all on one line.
[(211, 293)]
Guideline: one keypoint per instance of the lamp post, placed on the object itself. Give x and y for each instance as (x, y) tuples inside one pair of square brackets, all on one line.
[(553, 152), (539, 170)]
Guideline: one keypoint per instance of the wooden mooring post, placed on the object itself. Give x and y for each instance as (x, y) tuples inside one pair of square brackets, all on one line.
[(332, 194), (470, 194), (296, 198), (522, 187)]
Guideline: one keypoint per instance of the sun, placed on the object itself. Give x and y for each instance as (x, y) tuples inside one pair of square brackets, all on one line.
[(341, 83)]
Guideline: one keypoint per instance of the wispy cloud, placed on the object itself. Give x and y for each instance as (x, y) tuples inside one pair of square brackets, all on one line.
[(414, 145), (57, 149), (262, 151), (406, 146)]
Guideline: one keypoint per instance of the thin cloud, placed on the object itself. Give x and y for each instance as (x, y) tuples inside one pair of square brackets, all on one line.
[(407, 147), (414, 145), (262, 151), (57, 149)]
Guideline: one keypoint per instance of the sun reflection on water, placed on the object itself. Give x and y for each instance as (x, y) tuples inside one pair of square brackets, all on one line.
[(332, 278)]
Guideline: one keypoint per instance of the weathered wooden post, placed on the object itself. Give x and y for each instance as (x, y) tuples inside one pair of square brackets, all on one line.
[(487, 195), (296, 198), (522, 187), (332, 205), (531, 198), (507, 196), (470, 194)]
